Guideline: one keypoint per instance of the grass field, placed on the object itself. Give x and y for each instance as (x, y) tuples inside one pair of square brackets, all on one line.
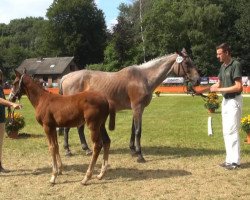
[(182, 160)]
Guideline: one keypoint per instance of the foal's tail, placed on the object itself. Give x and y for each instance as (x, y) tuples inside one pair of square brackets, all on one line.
[(112, 113)]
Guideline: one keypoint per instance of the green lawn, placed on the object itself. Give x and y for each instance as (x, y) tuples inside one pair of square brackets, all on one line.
[(179, 121), (182, 160)]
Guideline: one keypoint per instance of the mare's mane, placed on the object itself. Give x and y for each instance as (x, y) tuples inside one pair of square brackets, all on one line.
[(153, 61)]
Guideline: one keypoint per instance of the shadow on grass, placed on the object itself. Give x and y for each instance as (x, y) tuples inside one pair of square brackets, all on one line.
[(29, 135), (47, 170), (171, 151), (245, 165), (130, 174)]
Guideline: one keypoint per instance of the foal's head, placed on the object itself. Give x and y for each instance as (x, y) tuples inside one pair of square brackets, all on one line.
[(17, 88), (185, 67)]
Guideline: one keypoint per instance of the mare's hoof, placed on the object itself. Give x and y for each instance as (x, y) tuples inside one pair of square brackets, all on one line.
[(141, 160), (88, 152), (133, 153), (52, 184), (68, 153)]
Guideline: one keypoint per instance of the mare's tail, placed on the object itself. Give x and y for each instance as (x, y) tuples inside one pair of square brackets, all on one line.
[(60, 88), (60, 85), (112, 113)]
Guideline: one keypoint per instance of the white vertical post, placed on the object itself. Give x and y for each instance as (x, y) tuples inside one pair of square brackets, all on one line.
[(209, 126)]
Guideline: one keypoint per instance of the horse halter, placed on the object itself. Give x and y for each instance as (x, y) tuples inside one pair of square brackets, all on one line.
[(18, 93), (179, 61), (188, 81)]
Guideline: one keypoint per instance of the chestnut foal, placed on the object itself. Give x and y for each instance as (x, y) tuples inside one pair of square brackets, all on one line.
[(54, 110)]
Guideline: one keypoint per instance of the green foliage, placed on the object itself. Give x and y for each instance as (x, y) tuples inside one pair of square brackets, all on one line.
[(77, 28), (18, 41)]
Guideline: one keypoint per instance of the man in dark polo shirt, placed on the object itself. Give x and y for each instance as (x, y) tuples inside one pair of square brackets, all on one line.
[(230, 85)]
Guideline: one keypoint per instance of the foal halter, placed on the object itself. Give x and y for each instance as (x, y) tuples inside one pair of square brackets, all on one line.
[(18, 93)]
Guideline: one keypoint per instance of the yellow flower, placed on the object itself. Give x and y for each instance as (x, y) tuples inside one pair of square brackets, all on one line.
[(245, 123), (212, 101), (14, 122)]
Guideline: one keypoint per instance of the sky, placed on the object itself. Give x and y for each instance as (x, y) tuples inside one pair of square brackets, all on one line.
[(16, 9)]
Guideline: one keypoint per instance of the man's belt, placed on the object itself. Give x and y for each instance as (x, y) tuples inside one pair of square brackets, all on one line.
[(231, 95)]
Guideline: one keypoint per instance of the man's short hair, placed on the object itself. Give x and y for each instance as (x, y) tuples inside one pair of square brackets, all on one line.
[(225, 48)]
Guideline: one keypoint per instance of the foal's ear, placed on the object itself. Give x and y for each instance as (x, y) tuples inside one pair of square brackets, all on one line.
[(24, 71)]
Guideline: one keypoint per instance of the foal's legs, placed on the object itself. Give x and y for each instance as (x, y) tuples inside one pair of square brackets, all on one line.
[(106, 146), (54, 150), (97, 146)]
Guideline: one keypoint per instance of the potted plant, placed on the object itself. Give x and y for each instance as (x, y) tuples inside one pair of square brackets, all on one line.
[(14, 123), (157, 93), (245, 126), (212, 102)]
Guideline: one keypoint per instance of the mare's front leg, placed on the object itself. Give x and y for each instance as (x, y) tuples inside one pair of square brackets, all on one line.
[(97, 146), (106, 146), (66, 142), (54, 151), (83, 140), (132, 139), (135, 140)]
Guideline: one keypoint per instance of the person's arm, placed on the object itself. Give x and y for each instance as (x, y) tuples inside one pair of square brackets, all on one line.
[(208, 89), (10, 104), (237, 87)]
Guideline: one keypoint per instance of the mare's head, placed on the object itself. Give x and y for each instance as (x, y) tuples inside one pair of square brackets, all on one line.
[(17, 89), (184, 66)]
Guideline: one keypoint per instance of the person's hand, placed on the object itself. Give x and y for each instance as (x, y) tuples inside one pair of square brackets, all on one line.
[(213, 89), (16, 106)]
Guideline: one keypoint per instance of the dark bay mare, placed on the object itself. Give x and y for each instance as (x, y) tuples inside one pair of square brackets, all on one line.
[(54, 110), (130, 88)]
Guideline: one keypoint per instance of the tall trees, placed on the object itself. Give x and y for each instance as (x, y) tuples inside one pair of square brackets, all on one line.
[(199, 26), (17, 42), (242, 25), (77, 28)]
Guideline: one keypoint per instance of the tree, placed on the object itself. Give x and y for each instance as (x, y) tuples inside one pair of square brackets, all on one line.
[(171, 25), (17, 42), (242, 26), (125, 47), (77, 28)]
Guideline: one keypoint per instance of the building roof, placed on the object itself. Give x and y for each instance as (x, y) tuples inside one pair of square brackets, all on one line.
[(55, 65)]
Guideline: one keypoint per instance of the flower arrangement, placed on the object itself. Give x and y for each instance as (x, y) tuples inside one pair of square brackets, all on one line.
[(212, 101), (14, 122), (157, 93), (245, 123)]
